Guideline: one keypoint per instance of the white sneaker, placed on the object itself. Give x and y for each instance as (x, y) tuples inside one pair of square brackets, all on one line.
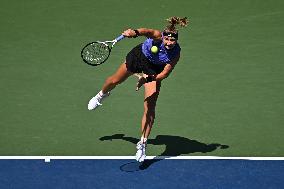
[(141, 151), (96, 100)]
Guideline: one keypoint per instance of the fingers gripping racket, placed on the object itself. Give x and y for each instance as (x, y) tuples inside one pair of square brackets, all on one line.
[(96, 53)]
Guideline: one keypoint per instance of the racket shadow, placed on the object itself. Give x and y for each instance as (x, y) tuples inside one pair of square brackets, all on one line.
[(174, 146)]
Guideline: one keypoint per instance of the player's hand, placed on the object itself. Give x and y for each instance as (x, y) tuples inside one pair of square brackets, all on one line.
[(129, 33), (141, 81)]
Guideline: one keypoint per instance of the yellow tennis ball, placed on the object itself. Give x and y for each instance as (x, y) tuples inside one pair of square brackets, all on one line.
[(154, 49)]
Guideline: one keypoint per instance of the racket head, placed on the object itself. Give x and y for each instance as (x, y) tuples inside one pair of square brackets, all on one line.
[(95, 53)]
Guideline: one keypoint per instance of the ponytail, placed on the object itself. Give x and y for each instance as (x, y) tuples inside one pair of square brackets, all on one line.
[(174, 22)]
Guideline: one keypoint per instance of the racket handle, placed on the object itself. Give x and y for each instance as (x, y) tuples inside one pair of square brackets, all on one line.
[(119, 38)]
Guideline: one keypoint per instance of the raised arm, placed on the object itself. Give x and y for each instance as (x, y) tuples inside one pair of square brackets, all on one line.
[(150, 33)]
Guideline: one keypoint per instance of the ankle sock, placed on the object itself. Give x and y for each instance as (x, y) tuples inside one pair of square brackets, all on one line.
[(143, 140)]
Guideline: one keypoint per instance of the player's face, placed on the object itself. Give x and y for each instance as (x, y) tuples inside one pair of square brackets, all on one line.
[(169, 42)]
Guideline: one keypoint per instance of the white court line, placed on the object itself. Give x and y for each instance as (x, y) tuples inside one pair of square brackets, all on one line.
[(49, 158)]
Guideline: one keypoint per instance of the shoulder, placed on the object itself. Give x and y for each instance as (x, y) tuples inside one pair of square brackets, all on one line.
[(174, 51), (178, 47), (175, 60), (158, 35)]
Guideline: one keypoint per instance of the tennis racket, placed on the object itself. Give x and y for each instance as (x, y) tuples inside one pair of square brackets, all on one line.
[(96, 53)]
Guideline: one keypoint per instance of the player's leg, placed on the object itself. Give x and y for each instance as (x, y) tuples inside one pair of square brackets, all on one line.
[(118, 77), (110, 83), (152, 90)]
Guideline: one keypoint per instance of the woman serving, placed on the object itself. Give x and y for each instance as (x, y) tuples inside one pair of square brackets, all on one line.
[(152, 61)]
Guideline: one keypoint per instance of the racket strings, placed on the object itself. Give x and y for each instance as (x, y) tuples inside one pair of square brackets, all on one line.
[(96, 53)]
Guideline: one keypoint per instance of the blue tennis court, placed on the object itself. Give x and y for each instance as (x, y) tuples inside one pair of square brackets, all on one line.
[(156, 173)]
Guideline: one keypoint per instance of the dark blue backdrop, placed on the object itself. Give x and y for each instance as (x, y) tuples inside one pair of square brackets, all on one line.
[(68, 174)]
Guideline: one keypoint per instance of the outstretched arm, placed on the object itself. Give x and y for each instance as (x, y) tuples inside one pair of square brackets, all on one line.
[(150, 33)]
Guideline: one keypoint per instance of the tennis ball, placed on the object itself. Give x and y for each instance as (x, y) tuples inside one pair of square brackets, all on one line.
[(154, 49)]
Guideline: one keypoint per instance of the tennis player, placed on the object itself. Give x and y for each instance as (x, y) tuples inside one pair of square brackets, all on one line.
[(151, 65)]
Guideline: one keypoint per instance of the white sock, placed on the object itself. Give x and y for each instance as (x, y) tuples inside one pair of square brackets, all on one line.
[(143, 140), (101, 93)]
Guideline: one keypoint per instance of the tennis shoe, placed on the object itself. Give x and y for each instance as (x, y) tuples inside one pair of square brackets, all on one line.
[(141, 151), (96, 100)]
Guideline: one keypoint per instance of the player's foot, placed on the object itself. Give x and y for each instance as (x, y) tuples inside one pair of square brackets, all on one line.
[(96, 100), (141, 151)]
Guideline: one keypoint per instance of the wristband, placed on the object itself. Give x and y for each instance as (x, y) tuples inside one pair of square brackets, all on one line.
[(149, 79), (136, 33)]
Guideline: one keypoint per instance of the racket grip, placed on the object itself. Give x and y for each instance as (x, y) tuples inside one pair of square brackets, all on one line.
[(119, 38)]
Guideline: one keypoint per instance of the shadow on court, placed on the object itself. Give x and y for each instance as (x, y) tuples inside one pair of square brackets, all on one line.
[(175, 146)]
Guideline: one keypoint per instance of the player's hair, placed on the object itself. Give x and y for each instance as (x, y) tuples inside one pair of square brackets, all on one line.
[(174, 22)]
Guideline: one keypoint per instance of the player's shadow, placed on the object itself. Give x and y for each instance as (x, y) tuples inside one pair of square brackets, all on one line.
[(175, 146)]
